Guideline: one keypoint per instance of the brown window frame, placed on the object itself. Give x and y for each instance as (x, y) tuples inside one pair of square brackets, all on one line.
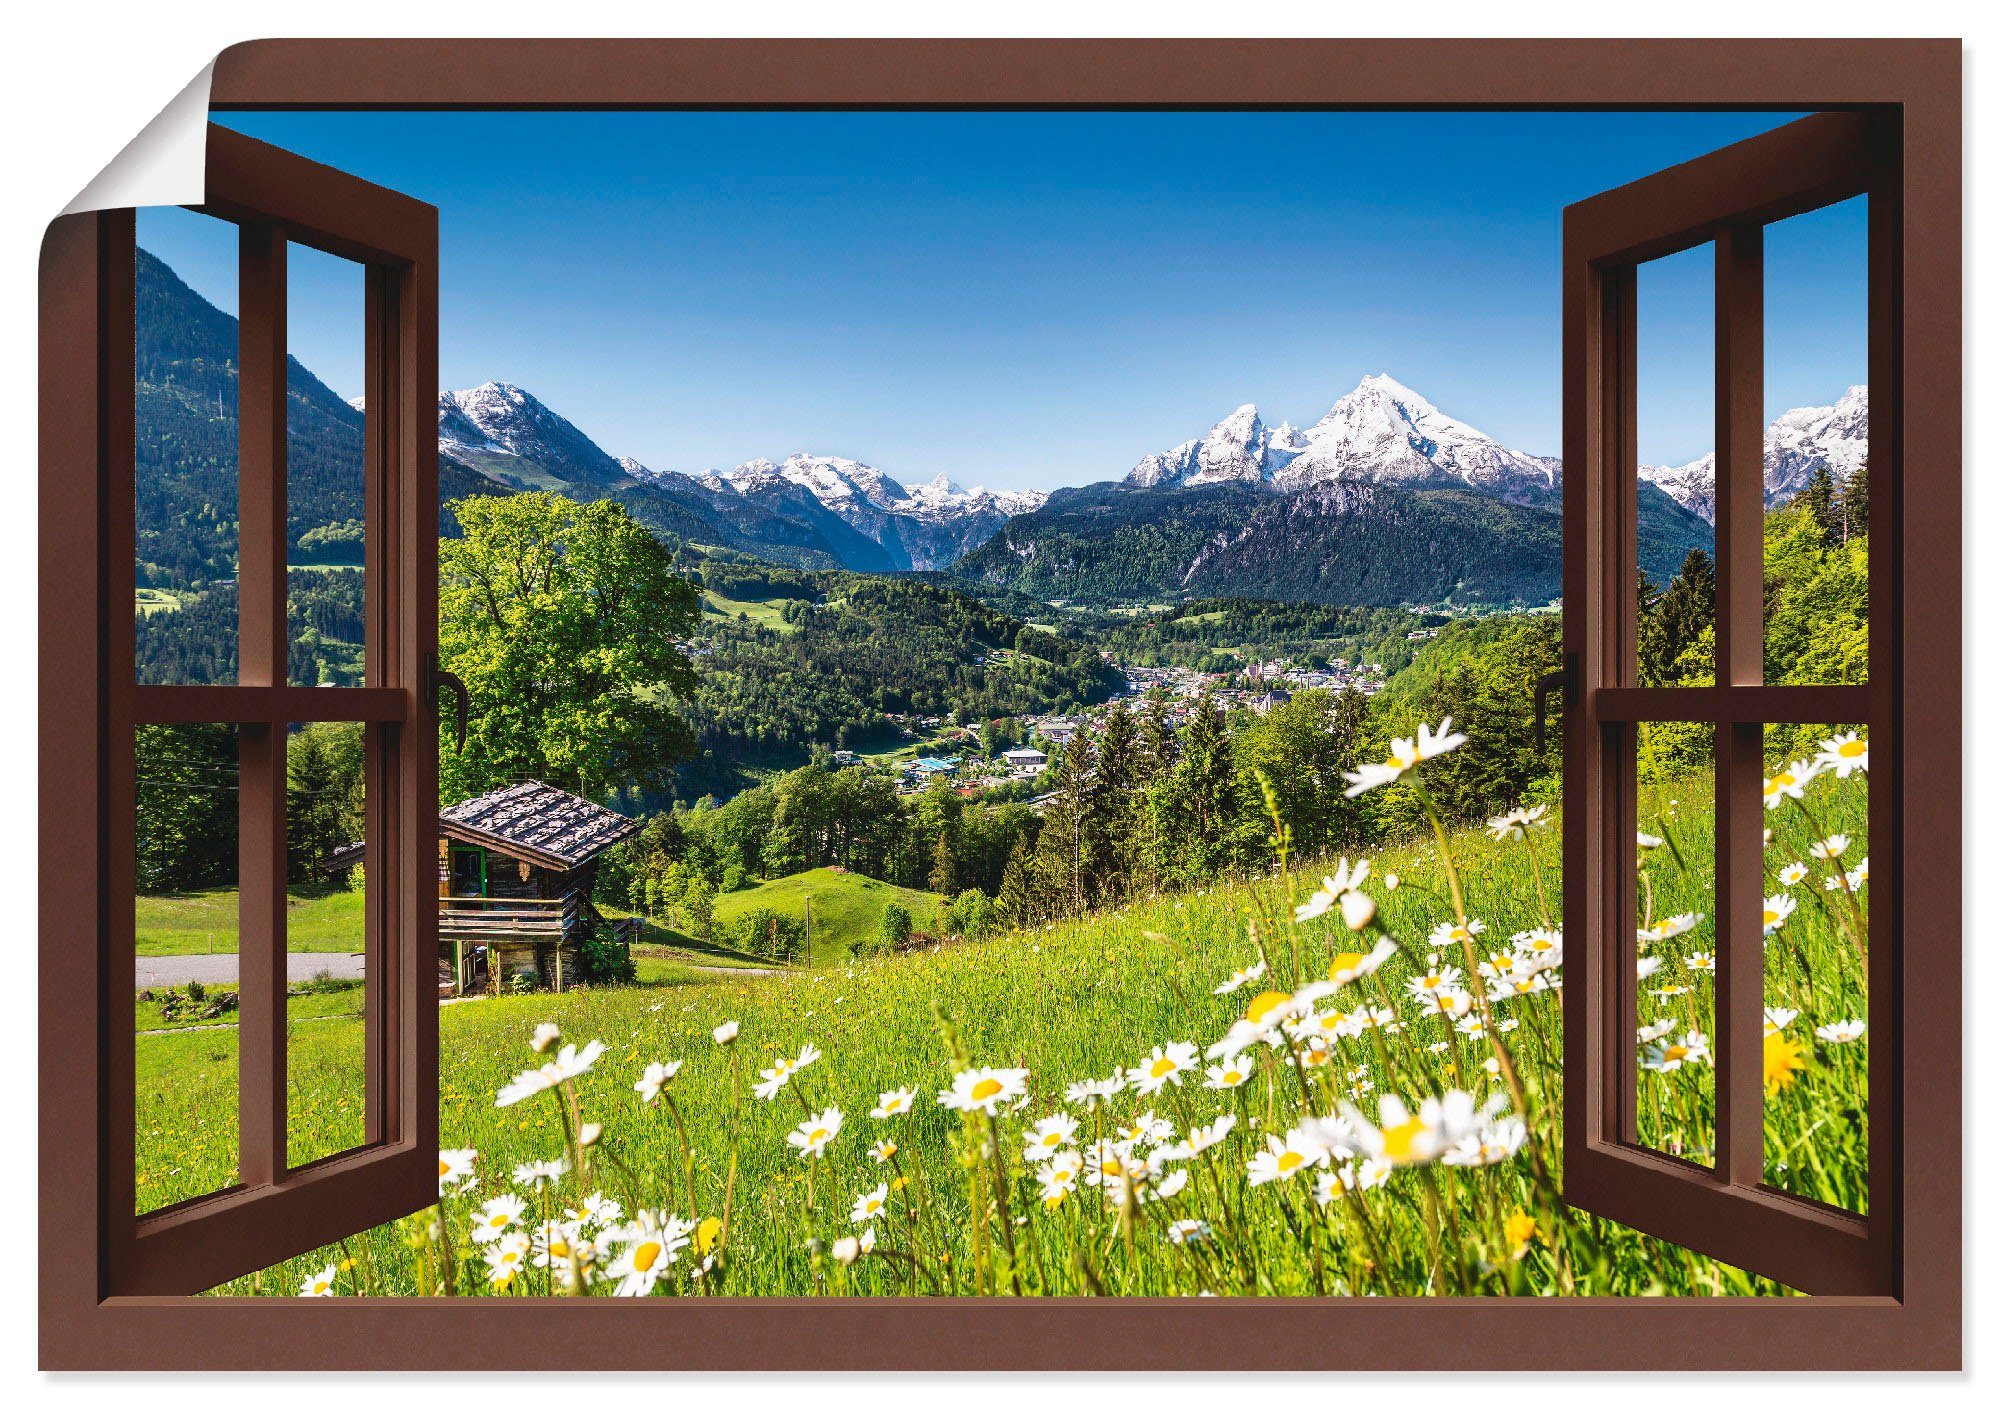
[(1917, 1324), (275, 1210), (1726, 198)]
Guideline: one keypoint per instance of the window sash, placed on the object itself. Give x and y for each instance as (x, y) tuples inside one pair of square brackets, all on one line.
[(274, 1211), (1727, 197)]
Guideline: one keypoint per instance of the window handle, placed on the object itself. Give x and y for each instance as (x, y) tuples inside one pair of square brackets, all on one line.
[(438, 680), (1544, 687)]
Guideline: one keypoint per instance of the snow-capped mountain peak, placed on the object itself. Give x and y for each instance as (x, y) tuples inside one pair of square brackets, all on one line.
[(1380, 432), (1796, 445)]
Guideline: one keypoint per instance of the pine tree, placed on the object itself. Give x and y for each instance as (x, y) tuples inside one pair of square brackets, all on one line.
[(1818, 497), (1854, 503), (944, 870), (315, 805), (1119, 797), (1019, 901)]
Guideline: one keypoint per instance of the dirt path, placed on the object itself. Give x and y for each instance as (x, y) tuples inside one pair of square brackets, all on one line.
[(174, 970)]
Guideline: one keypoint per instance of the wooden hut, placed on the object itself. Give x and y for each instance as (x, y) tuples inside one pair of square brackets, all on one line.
[(516, 868)]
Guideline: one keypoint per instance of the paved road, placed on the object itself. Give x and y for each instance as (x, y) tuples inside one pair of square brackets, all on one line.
[(172, 970)]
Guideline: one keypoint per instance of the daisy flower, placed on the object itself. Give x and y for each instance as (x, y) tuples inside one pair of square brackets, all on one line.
[(496, 1216), (1673, 927), (1201, 1138), (1447, 977), (1789, 781), (1647, 841), (1187, 1230), (505, 1259), (1793, 873), (1089, 1093), (1058, 1176), (1330, 891), (1449, 933), (1163, 1067), (567, 1066), (541, 1171), (814, 1133), (546, 1036), (1048, 1135), (1282, 1158), (319, 1283), (646, 1250), (1513, 826), (1239, 978), (1776, 910), (870, 1205), (1233, 1073), (1843, 753), (773, 1078), (654, 1080), (882, 1151), (984, 1088), (1676, 1053), (725, 1034), (894, 1103), (1406, 1138), (1778, 1019), (1847, 1030), (1348, 967), (454, 1165), (1700, 962), (1832, 848)]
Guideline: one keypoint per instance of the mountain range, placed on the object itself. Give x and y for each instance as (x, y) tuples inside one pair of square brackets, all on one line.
[(1796, 445), (1384, 499)]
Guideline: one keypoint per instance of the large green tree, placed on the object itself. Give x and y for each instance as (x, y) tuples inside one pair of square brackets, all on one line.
[(566, 623)]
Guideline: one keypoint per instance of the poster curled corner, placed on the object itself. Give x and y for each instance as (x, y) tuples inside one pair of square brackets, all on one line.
[(166, 164)]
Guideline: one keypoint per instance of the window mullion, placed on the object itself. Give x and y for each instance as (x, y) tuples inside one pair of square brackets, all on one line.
[(261, 652), (1739, 661)]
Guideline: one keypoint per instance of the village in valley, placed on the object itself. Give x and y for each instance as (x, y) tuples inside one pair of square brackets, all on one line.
[(963, 753)]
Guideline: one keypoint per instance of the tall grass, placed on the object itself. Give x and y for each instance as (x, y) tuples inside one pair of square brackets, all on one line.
[(1054, 1192)]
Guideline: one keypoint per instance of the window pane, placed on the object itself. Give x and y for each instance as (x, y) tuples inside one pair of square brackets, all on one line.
[(184, 448), (1816, 447), (325, 941), (1676, 489), (1676, 940), (326, 509), (185, 977), (1816, 962)]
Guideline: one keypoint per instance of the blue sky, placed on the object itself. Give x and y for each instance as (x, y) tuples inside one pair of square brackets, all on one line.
[(1030, 299)]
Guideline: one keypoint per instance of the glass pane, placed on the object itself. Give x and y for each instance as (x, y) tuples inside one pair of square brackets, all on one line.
[(184, 979), (325, 940), (326, 506), (1676, 939), (1816, 963), (1676, 489), (1816, 447), (184, 448)]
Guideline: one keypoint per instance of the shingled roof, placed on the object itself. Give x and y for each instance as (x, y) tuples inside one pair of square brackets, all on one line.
[(539, 824)]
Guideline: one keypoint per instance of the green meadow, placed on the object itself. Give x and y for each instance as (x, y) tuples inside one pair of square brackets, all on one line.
[(1102, 996)]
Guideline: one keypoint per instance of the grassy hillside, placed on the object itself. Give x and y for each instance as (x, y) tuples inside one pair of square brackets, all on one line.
[(1084, 1000), (204, 922), (846, 907)]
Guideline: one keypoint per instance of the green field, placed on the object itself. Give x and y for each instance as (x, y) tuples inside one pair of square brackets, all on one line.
[(769, 612), (204, 922), (155, 599), (846, 907), (1083, 1000)]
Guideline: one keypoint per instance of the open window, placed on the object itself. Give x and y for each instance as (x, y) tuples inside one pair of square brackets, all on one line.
[(1728, 1200), (265, 208)]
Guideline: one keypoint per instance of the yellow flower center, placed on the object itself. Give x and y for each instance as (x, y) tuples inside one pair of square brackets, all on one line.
[(985, 1089), (1345, 964), (1113, 1168), (1853, 748), (1289, 1161), (816, 1135), (1232, 1078), (1771, 917), (1162, 1066), (1263, 1004), (443, 1169), (1675, 1052), (1399, 1142), (644, 1256)]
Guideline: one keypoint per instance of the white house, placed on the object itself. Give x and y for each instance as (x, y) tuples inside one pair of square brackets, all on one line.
[(1025, 763)]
